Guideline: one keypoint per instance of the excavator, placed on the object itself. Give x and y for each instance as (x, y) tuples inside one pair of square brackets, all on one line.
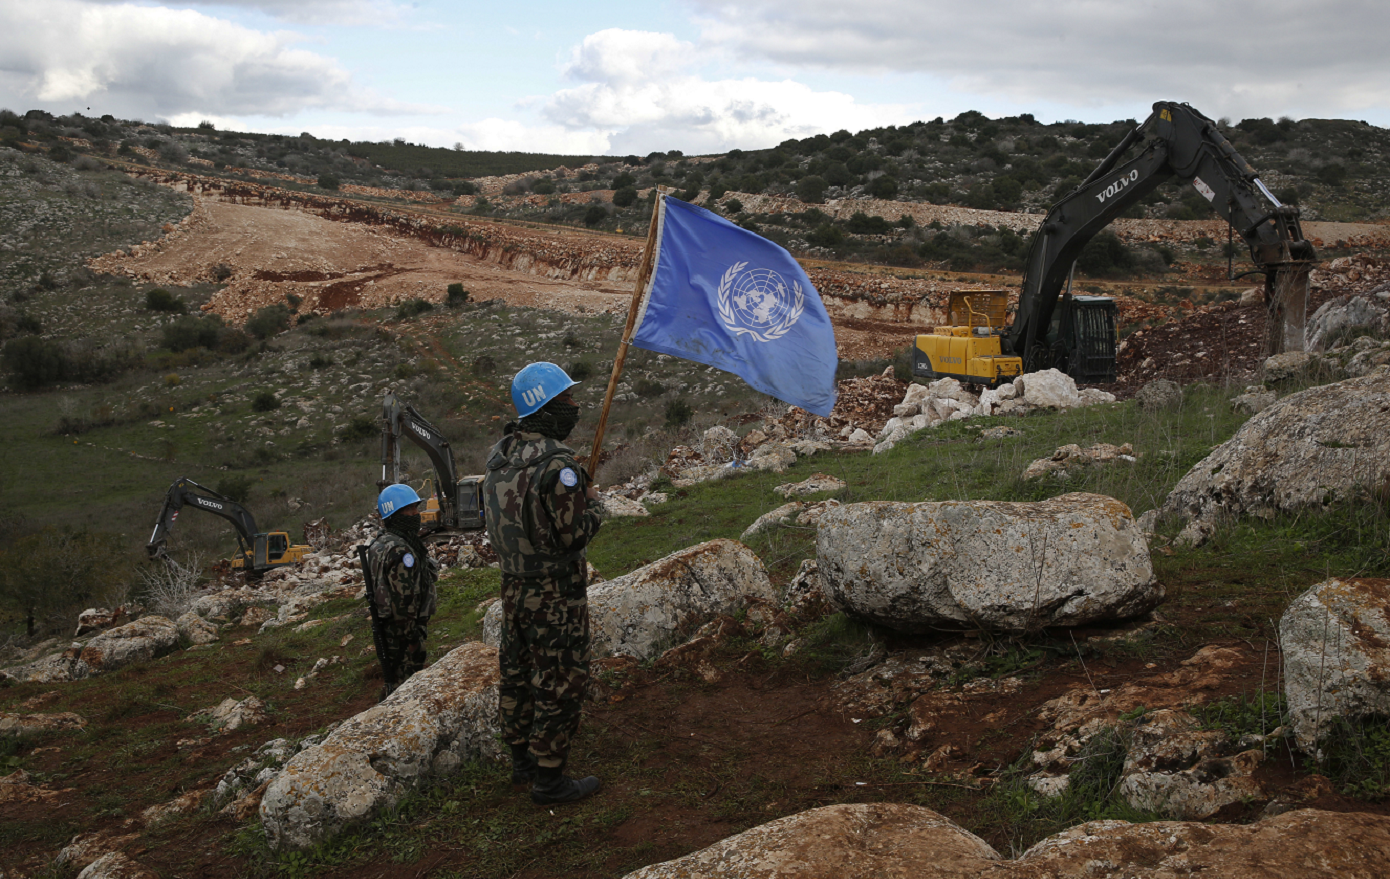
[(260, 552), (1077, 334), (452, 504)]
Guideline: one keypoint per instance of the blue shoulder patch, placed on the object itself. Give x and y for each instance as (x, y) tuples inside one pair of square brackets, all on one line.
[(408, 560), (569, 477)]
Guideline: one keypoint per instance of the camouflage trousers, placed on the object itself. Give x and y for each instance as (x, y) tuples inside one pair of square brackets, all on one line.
[(544, 659), (403, 652)]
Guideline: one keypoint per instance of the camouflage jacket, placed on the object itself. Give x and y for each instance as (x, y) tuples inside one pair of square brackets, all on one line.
[(538, 519), (403, 585)]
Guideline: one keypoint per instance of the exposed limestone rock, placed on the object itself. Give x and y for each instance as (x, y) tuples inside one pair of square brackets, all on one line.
[(840, 842), (1291, 846), (178, 806), (139, 641), (1345, 314), (638, 614), (437, 719), (1311, 447), (783, 515), (116, 865), (1178, 770), (231, 714), (1288, 366), (94, 619), (774, 456), (229, 605), (1159, 394), (1254, 401), (719, 444), (196, 629), (1072, 455), (804, 589), (1072, 560), (1049, 389), (617, 505), (85, 848), (1336, 644), (819, 482), (873, 840), (28, 724)]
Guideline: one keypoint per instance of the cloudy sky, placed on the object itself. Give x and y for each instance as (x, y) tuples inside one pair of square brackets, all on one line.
[(619, 77)]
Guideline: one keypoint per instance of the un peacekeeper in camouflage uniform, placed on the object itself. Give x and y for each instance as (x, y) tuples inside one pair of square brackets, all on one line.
[(403, 578), (541, 513)]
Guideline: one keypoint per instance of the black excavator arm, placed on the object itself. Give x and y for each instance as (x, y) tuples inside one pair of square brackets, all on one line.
[(402, 420), (186, 492), (1175, 142)]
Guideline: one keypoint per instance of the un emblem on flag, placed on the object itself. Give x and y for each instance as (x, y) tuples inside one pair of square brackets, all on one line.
[(758, 302)]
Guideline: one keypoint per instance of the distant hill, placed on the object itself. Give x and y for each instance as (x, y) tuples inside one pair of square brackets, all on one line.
[(1335, 170)]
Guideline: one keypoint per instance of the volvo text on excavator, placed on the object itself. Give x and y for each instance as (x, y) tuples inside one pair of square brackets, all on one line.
[(1077, 334), (453, 504), (259, 553)]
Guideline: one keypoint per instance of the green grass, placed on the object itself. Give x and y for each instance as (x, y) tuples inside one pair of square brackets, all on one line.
[(946, 463)]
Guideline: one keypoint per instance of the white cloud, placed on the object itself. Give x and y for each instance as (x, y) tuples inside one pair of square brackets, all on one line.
[(303, 11), (1236, 57), (139, 61), (644, 93)]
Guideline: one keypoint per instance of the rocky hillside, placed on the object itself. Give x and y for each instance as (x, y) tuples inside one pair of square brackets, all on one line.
[(1167, 607)]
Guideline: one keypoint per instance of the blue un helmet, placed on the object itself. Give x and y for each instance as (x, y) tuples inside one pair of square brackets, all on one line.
[(538, 384), (394, 498)]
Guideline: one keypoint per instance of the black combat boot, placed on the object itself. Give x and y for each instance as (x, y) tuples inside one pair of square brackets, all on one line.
[(523, 765), (553, 786)]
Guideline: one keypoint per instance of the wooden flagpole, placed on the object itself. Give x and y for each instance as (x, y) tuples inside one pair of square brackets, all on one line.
[(644, 272)]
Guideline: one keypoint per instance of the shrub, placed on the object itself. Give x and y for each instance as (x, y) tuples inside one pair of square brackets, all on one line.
[(413, 308), (625, 197), (457, 295), (885, 187), (47, 577), (811, 189), (237, 488), (269, 321), (35, 362), (543, 186), (648, 388), (484, 364), (27, 323), (318, 361), (826, 235), (159, 299), (463, 187), (1105, 254), (359, 428), (580, 370), (329, 181), (595, 214), (264, 401), (733, 206), (192, 332), (678, 413), (221, 272)]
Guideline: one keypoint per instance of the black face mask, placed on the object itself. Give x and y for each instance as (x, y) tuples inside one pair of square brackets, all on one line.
[(404, 524), (554, 420)]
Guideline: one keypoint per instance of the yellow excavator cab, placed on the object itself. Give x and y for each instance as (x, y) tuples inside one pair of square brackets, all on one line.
[(968, 348)]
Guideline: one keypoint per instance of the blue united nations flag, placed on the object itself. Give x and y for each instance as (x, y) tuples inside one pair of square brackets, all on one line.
[(723, 296)]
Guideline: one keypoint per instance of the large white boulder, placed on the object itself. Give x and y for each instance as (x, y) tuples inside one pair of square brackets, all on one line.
[(641, 613), (437, 719), (873, 840), (1048, 389), (1068, 561), (1325, 443), (847, 841), (638, 614), (1336, 646)]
